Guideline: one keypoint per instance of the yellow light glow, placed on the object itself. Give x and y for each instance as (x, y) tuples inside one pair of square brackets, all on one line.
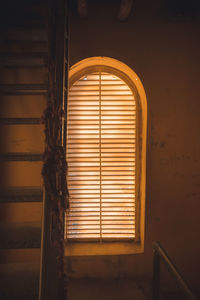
[(101, 153)]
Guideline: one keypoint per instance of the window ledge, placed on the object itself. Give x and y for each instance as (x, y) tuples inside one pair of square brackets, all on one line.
[(107, 248)]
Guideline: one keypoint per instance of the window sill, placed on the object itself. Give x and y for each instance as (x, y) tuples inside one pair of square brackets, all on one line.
[(107, 248)]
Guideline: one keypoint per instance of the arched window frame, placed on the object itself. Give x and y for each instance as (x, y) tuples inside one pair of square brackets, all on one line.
[(131, 78)]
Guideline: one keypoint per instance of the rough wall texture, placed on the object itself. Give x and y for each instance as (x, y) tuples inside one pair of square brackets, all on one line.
[(160, 42), (163, 48)]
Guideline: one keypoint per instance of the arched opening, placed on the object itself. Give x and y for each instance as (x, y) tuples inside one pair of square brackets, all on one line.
[(106, 136)]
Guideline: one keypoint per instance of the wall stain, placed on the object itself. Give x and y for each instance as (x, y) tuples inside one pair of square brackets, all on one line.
[(177, 158), (162, 144)]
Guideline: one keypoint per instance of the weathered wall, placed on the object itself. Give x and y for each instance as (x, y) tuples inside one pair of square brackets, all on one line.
[(164, 52)]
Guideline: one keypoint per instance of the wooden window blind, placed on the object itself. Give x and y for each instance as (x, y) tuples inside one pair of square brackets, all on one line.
[(101, 153)]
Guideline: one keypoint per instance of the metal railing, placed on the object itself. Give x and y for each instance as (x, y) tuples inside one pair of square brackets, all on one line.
[(159, 254)]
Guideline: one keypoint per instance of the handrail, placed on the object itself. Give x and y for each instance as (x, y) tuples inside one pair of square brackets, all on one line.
[(159, 253)]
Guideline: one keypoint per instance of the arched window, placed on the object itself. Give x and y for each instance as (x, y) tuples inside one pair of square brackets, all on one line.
[(106, 150)]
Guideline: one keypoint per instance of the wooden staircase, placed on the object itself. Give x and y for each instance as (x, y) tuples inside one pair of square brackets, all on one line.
[(23, 98)]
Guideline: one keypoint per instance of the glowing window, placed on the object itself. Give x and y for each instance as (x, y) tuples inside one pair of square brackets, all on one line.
[(104, 154)]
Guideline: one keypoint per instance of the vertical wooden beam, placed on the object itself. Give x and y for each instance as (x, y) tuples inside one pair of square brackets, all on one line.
[(82, 6), (52, 253), (125, 9)]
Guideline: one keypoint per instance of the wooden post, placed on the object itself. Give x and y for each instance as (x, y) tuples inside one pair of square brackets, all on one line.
[(52, 277)]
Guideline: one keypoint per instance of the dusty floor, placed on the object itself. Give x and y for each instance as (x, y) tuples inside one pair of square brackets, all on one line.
[(99, 289)]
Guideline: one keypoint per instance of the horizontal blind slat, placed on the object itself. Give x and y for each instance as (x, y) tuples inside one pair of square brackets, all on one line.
[(101, 204)]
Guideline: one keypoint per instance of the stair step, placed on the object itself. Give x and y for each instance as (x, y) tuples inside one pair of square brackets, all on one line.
[(21, 212), (20, 47), (21, 156), (21, 173), (19, 281), (11, 256), (20, 225), (20, 235), (24, 261), (23, 60), (21, 194), (25, 18), (27, 33), (23, 89), (22, 138), (20, 121), (22, 109)]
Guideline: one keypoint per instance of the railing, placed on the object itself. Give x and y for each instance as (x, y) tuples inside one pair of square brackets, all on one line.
[(159, 254)]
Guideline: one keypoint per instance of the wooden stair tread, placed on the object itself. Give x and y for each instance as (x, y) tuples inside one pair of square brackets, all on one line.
[(21, 156), (12, 256), (23, 58), (20, 47), (20, 281), (20, 121), (20, 235), (23, 89), (26, 33), (21, 194), (24, 86), (14, 60)]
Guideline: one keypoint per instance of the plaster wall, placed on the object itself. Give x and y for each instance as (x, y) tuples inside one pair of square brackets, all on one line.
[(164, 52)]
